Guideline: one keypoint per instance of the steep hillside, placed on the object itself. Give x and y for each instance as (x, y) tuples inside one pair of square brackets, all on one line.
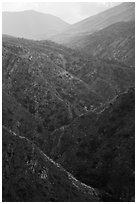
[(18, 119), (44, 88), (124, 12), (75, 108), (30, 176), (31, 24), (116, 42), (98, 148), (45, 77)]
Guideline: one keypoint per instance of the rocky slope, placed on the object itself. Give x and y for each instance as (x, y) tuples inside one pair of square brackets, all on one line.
[(116, 42), (98, 148), (124, 12), (31, 24), (30, 176)]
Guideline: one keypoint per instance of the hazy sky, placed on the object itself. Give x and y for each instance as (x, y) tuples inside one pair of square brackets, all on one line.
[(68, 11)]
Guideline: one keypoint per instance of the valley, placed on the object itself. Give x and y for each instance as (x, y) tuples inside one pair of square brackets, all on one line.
[(68, 108)]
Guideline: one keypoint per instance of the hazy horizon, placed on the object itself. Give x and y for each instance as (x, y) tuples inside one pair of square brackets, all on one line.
[(78, 10)]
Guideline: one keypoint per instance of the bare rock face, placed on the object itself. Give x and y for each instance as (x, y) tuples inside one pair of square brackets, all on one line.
[(29, 175)]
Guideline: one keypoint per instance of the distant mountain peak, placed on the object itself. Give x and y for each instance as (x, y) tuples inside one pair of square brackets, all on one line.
[(124, 12), (31, 24)]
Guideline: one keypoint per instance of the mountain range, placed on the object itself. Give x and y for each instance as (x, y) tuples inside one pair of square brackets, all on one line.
[(122, 13), (109, 35), (31, 24), (35, 25), (69, 109)]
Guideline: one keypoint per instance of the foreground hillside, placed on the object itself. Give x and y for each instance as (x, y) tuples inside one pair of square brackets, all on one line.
[(30, 176), (18, 119), (61, 103), (46, 86), (98, 148), (116, 42)]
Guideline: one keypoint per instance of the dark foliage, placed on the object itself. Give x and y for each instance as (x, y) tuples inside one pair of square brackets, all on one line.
[(30, 176), (73, 109), (99, 148)]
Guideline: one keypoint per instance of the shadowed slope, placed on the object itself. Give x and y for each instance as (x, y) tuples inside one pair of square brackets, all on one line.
[(98, 148), (29, 175)]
